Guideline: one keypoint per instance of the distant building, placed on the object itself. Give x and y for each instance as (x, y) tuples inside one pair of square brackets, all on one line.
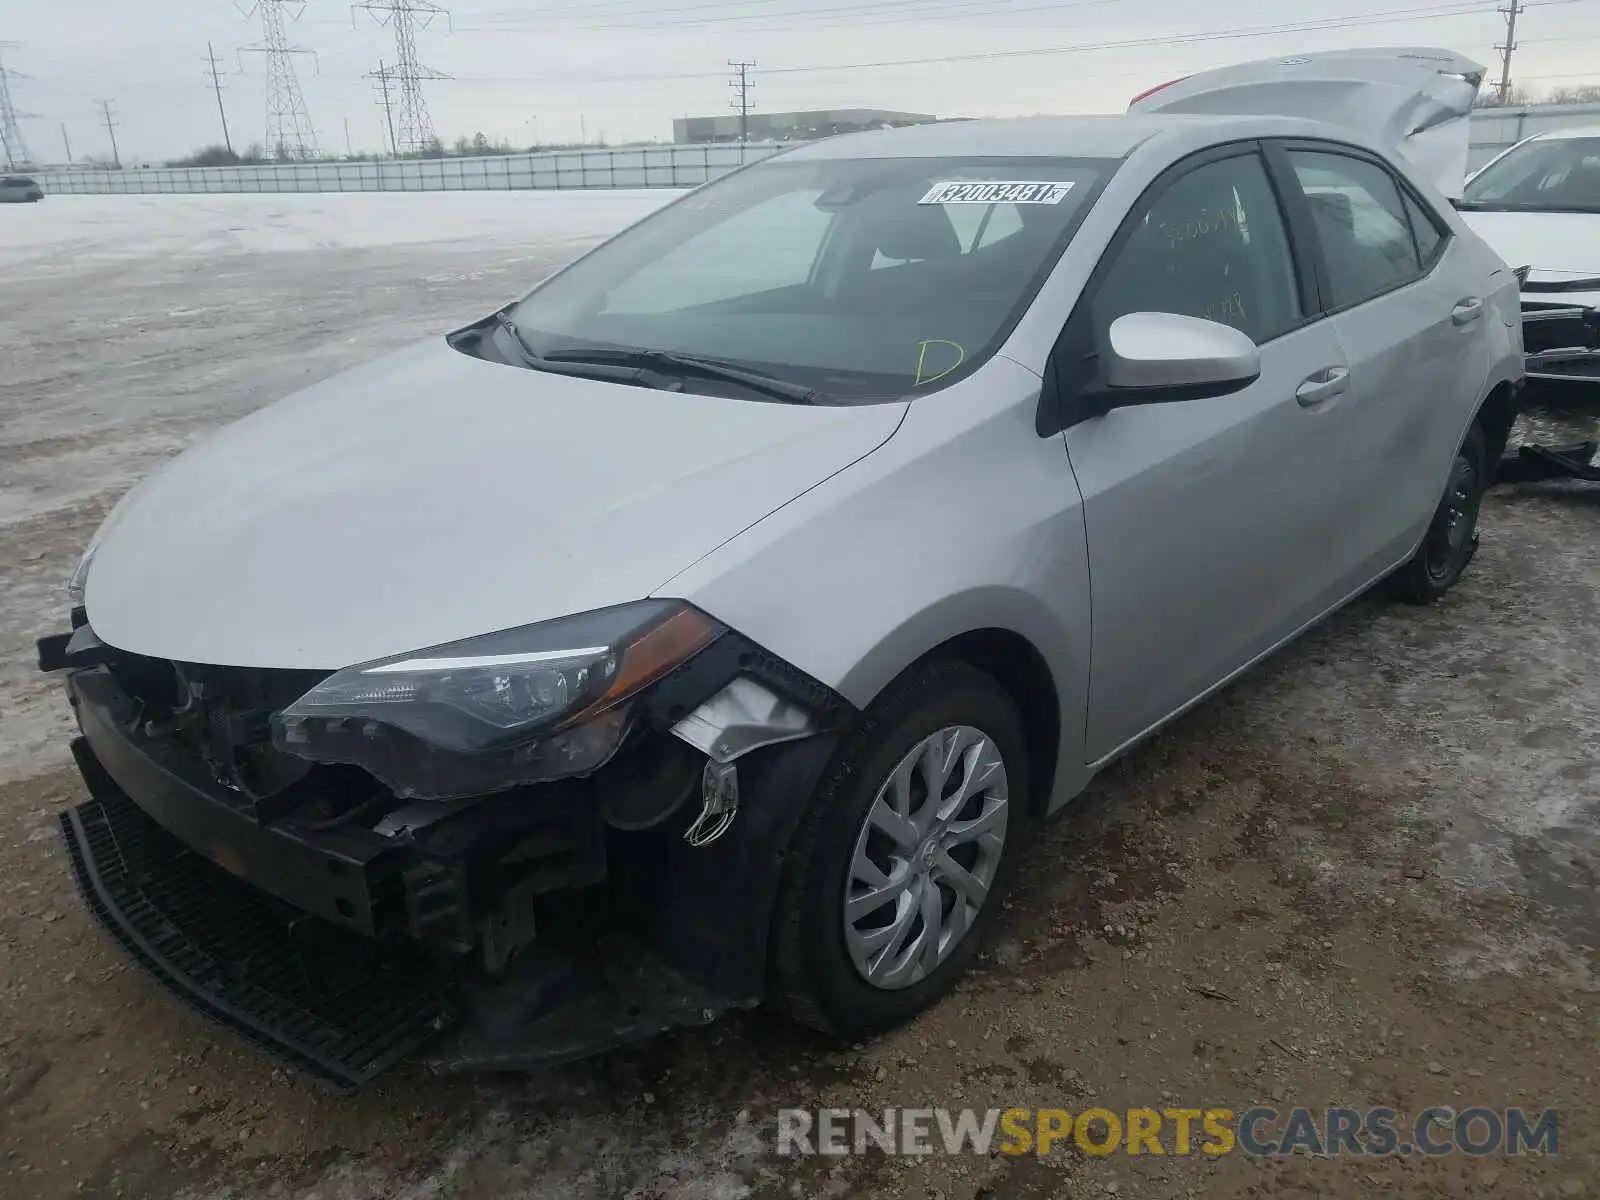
[(791, 126)]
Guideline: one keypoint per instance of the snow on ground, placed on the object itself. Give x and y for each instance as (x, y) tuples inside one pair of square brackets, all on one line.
[(71, 227), (132, 325)]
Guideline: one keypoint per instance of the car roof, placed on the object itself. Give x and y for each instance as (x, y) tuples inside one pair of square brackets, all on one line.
[(1561, 135), (1112, 136)]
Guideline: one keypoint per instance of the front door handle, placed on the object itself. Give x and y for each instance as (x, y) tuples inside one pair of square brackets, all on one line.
[(1324, 385), (1468, 311)]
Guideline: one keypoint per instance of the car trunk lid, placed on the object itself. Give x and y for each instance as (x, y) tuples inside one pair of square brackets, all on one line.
[(1416, 100)]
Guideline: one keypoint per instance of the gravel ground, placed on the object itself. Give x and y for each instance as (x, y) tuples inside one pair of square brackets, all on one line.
[(1366, 874)]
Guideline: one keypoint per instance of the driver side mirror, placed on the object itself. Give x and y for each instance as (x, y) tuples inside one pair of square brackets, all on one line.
[(1159, 358)]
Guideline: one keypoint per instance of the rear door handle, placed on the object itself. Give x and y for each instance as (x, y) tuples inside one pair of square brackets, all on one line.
[(1324, 385), (1467, 311)]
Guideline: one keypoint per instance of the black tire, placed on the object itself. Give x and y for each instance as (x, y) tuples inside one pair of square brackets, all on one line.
[(1452, 537), (813, 979)]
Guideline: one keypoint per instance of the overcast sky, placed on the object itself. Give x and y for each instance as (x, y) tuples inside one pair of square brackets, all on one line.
[(625, 68)]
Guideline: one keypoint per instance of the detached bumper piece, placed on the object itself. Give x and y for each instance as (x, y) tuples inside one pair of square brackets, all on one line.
[(335, 1005), (1535, 463), (555, 1006)]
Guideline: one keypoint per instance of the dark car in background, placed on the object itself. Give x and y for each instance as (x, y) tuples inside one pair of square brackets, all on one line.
[(19, 189)]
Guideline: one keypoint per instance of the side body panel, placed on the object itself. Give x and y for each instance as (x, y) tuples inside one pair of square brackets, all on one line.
[(1209, 528), (1416, 379), (965, 520)]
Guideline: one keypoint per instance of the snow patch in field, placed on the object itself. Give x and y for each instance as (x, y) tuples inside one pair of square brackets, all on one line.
[(63, 231)]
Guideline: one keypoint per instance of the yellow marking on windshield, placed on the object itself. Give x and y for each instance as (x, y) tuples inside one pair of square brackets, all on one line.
[(922, 359)]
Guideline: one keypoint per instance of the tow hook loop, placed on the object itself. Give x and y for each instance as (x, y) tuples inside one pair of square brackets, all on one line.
[(719, 789)]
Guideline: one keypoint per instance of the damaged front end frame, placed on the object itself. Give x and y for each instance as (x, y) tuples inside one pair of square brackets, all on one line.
[(753, 737), (1561, 341), (701, 888)]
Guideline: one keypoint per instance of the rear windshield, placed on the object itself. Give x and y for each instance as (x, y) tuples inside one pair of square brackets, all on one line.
[(861, 278), (17, 181), (1556, 175)]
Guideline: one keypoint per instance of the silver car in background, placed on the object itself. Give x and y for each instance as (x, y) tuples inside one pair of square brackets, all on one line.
[(1538, 206), (20, 189), (770, 571)]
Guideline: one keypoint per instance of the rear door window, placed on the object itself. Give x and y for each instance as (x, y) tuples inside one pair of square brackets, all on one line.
[(1362, 223), (1425, 227)]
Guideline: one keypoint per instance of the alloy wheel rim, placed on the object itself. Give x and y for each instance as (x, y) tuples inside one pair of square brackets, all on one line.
[(925, 857)]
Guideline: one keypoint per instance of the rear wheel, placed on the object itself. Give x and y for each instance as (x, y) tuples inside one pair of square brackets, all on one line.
[(1452, 537), (899, 865)]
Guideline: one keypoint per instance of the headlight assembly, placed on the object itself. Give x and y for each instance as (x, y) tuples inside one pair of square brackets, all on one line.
[(80, 575), (522, 706)]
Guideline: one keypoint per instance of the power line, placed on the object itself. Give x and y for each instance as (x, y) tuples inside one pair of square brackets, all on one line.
[(216, 86), (405, 17), (1503, 88), (111, 128), (741, 85), (1450, 10), (289, 130), (16, 150), (907, 7)]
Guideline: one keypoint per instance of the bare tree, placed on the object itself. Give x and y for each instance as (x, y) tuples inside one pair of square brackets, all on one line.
[(1575, 95), (1517, 95)]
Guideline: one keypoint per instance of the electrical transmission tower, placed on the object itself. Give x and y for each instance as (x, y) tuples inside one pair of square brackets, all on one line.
[(741, 85), (404, 80), (16, 150), (1503, 88), (289, 131)]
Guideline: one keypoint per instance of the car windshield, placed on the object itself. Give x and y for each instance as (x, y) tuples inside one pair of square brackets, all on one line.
[(17, 181), (859, 278), (1551, 175)]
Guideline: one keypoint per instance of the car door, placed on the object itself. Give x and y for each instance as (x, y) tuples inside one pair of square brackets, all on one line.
[(1208, 520), (1407, 304)]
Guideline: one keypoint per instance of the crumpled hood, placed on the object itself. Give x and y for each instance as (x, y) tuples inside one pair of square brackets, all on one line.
[(1556, 245), (432, 496)]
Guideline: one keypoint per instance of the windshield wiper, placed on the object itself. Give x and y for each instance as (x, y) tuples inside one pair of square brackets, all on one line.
[(614, 372), (689, 364)]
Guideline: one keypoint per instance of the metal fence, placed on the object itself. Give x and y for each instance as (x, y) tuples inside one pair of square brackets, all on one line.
[(644, 167), (1493, 130)]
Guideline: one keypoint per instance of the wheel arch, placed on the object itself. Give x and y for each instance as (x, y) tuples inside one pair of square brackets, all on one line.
[(1495, 416), (1016, 664), (1036, 654)]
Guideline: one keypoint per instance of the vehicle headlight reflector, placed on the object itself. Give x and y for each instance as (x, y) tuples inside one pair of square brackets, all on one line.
[(523, 705), (79, 578)]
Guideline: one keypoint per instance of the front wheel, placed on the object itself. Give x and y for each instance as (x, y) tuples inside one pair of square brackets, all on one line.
[(1452, 537), (899, 864)]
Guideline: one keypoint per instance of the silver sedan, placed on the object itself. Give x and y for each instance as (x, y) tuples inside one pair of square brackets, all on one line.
[(828, 527)]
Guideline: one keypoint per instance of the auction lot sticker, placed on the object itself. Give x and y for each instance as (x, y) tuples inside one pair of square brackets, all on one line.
[(1010, 191)]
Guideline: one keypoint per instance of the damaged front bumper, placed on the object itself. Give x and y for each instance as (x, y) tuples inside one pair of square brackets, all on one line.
[(1561, 339), (345, 930)]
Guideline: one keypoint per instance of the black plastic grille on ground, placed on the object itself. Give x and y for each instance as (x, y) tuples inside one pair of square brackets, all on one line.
[(335, 1005)]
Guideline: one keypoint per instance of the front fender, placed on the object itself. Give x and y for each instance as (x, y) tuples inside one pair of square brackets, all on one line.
[(965, 520)]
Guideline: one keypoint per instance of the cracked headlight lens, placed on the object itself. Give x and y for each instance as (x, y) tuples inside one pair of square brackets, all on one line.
[(524, 705)]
